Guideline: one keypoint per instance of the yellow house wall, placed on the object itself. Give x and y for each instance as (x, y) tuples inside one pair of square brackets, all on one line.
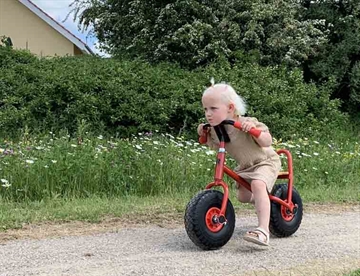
[(28, 31)]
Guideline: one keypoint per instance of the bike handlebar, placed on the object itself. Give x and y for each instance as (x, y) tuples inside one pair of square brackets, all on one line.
[(253, 131)]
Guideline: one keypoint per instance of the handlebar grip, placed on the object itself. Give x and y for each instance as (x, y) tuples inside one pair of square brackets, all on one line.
[(237, 124), (254, 131), (203, 137)]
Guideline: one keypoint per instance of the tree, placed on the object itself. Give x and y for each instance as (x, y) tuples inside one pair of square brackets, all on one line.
[(197, 32), (340, 59)]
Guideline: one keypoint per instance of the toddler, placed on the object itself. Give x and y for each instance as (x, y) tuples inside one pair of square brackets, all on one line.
[(257, 161)]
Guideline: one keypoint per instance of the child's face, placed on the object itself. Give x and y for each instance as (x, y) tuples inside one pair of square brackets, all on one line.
[(215, 109)]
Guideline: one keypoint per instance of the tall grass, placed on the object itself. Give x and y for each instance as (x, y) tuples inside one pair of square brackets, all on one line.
[(53, 166)]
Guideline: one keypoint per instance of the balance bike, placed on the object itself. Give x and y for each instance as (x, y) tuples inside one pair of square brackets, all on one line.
[(210, 216)]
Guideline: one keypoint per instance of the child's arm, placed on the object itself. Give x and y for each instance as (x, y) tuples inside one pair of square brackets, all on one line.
[(265, 138), (209, 141)]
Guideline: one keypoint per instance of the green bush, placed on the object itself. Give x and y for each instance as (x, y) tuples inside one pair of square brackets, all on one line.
[(109, 96)]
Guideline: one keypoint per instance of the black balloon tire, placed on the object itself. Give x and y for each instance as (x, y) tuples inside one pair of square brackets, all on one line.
[(278, 225), (195, 223)]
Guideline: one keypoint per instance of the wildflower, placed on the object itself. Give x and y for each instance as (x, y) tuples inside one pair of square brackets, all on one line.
[(46, 166), (315, 169), (54, 161), (315, 153), (10, 151), (316, 142), (138, 147), (73, 145), (100, 137), (290, 146), (29, 161), (326, 173), (337, 152), (209, 152), (6, 183), (155, 142), (305, 170)]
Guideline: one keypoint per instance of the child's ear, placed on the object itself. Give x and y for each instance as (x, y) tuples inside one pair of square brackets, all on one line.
[(231, 107)]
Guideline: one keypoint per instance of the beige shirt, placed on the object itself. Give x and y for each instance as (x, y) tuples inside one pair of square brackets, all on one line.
[(254, 162)]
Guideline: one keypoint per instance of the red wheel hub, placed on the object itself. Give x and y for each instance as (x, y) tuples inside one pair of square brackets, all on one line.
[(212, 220), (286, 214)]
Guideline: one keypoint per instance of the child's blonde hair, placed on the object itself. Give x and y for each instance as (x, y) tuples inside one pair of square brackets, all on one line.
[(229, 96)]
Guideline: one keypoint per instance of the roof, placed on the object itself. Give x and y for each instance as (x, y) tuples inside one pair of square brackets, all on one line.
[(57, 26)]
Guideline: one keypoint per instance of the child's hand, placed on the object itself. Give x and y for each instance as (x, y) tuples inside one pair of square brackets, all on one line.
[(247, 125), (200, 129)]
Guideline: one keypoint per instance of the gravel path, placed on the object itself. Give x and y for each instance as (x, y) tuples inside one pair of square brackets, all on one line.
[(325, 244)]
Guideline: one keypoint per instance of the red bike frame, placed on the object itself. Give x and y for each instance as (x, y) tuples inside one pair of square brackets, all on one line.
[(287, 205)]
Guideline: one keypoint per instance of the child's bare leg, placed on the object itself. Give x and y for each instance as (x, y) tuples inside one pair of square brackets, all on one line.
[(262, 203), (244, 195)]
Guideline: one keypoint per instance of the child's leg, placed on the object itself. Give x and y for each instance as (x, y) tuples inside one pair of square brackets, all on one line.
[(244, 195), (262, 203), (260, 235)]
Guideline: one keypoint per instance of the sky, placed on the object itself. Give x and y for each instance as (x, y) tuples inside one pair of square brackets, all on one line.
[(58, 10)]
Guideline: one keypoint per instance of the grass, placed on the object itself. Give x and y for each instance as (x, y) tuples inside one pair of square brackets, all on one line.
[(354, 273), (93, 209), (59, 178)]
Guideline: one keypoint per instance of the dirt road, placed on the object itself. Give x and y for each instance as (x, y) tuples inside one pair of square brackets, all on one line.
[(326, 244)]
